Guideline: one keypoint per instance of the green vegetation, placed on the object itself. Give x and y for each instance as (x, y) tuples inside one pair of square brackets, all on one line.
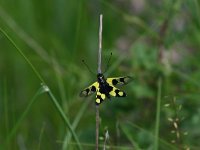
[(42, 44)]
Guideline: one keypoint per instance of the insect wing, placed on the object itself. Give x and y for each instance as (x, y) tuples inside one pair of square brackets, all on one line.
[(100, 97), (117, 92), (119, 80), (90, 90)]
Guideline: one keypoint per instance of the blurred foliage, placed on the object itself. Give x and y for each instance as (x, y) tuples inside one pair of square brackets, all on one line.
[(149, 40)]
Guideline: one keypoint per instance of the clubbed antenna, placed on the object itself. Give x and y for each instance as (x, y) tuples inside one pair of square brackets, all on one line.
[(108, 62)]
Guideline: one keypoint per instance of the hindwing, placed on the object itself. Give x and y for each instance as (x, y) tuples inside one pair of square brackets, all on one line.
[(117, 92), (112, 91), (100, 97)]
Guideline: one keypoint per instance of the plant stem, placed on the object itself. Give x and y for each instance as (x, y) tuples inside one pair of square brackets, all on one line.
[(99, 71), (100, 43), (157, 124), (97, 127)]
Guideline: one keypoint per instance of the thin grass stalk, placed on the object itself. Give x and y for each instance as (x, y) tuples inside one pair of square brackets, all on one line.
[(97, 127), (99, 71), (156, 142), (131, 19), (129, 137), (24, 114), (81, 112), (41, 136), (65, 119), (152, 135), (100, 43), (13, 131), (5, 97), (60, 83), (23, 55), (12, 24)]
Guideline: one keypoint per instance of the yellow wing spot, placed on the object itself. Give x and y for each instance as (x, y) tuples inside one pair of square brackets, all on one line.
[(98, 100), (96, 84), (120, 93), (112, 93), (103, 96)]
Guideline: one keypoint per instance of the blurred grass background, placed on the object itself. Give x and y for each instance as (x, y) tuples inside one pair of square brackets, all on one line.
[(150, 40)]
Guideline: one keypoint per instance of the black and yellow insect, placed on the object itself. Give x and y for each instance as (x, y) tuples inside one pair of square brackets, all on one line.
[(106, 88)]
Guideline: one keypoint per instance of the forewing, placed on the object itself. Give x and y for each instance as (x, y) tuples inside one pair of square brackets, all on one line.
[(119, 80), (90, 90)]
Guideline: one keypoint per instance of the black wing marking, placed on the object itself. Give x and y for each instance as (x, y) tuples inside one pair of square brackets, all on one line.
[(117, 92), (100, 97)]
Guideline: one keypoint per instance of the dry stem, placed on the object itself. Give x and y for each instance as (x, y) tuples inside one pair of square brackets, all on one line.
[(99, 71)]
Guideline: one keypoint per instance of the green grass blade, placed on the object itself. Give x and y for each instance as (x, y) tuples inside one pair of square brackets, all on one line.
[(50, 94), (12, 24), (23, 55), (5, 97), (63, 116), (60, 83), (129, 137), (24, 114), (67, 138), (187, 78), (41, 135), (170, 146), (132, 19), (157, 123)]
